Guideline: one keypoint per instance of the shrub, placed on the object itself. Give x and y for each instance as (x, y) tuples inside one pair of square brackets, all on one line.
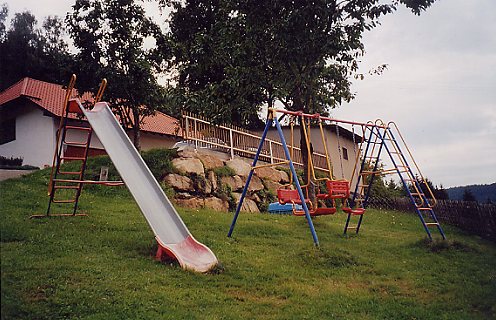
[(160, 161), (17, 162), (224, 171)]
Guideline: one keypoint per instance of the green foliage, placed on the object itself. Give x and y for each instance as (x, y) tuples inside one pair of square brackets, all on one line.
[(102, 266), (266, 198), (160, 161), (224, 171), (29, 51), (11, 161), (224, 192), (234, 56), (110, 37)]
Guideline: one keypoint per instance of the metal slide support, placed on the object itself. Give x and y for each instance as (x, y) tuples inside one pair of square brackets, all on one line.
[(245, 189), (297, 183), (293, 171)]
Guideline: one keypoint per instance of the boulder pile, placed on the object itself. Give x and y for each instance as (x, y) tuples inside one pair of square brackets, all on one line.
[(204, 180)]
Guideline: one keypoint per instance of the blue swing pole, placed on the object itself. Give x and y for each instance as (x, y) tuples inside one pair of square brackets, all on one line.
[(297, 183), (255, 160)]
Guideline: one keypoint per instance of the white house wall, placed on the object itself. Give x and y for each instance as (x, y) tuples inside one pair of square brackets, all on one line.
[(342, 168), (34, 141)]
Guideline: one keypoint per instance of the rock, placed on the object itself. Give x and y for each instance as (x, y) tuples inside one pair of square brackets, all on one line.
[(248, 204), (268, 173), (210, 162), (239, 166), (235, 182), (192, 203), (255, 198), (216, 204), (255, 184), (189, 165), (213, 180), (188, 153), (284, 176), (183, 195), (179, 182), (272, 186)]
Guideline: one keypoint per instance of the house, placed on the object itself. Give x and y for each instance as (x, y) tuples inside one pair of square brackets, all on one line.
[(342, 147), (30, 112)]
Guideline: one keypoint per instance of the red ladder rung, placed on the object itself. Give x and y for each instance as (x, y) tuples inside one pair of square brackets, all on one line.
[(77, 128), (73, 158), (64, 201)]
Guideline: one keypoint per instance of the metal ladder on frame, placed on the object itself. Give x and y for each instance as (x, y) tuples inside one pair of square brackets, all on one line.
[(72, 180), (382, 136), (369, 164)]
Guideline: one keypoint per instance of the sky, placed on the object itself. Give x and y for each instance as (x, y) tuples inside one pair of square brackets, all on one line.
[(440, 85)]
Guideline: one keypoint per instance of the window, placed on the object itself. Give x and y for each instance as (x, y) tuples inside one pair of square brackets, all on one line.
[(345, 153), (7, 131)]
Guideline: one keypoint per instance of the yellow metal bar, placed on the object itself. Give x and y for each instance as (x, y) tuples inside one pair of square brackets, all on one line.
[(270, 165), (414, 162), (102, 88)]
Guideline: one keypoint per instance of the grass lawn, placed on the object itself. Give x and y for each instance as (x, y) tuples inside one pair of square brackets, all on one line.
[(101, 266)]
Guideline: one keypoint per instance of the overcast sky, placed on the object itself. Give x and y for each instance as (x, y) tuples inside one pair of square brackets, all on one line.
[(440, 85)]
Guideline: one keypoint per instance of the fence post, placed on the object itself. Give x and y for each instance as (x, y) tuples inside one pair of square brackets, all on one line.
[(270, 150), (195, 134), (186, 129), (231, 142)]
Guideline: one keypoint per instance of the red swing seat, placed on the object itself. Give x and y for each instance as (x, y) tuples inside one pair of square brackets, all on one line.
[(338, 189), (291, 196)]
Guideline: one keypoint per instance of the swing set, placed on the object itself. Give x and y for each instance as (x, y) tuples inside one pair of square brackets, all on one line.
[(375, 137)]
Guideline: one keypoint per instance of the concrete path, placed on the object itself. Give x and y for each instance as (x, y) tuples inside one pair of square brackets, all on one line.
[(9, 174)]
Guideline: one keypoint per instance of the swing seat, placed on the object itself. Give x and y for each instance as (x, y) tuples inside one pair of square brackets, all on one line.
[(289, 196), (338, 189), (355, 212), (316, 212)]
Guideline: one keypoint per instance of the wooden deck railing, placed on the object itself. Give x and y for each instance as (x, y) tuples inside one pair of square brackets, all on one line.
[(200, 133)]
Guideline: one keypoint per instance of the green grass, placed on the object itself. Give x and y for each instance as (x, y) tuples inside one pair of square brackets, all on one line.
[(101, 266)]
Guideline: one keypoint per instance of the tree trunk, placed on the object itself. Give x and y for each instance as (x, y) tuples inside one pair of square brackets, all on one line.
[(136, 131)]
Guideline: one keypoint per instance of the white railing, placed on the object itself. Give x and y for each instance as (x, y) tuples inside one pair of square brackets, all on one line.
[(200, 133)]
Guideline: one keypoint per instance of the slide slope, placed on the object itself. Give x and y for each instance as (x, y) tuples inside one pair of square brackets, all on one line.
[(172, 235)]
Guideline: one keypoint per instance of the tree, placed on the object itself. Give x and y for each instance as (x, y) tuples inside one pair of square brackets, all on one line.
[(110, 37), (233, 56), (468, 195), (28, 51)]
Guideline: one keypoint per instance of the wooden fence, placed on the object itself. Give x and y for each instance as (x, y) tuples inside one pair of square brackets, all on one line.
[(237, 141), (473, 217)]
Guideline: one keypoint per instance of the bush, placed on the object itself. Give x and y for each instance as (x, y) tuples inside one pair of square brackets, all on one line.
[(160, 161), (14, 162), (224, 171)]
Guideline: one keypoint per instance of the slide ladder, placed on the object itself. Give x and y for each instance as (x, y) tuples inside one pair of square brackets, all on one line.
[(69, 184)]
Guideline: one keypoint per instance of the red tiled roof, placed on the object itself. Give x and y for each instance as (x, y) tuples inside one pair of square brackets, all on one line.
[(50, 97)]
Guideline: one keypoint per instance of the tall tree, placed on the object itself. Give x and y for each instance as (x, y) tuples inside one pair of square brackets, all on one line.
[(110, 36), (29, 51), (468, 195), (232, 56)]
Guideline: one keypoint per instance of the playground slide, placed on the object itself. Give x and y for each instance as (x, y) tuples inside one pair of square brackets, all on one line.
[(172, 235)]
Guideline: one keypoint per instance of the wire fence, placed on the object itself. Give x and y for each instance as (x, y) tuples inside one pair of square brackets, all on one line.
[(473, 217)]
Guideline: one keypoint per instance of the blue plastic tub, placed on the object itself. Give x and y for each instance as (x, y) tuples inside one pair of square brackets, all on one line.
[(277, 208)]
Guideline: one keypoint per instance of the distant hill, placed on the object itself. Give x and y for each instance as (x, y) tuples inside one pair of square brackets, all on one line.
[(481, 192)]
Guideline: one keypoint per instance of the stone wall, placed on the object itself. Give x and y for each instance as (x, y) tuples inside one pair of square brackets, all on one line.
[(204, 180)]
